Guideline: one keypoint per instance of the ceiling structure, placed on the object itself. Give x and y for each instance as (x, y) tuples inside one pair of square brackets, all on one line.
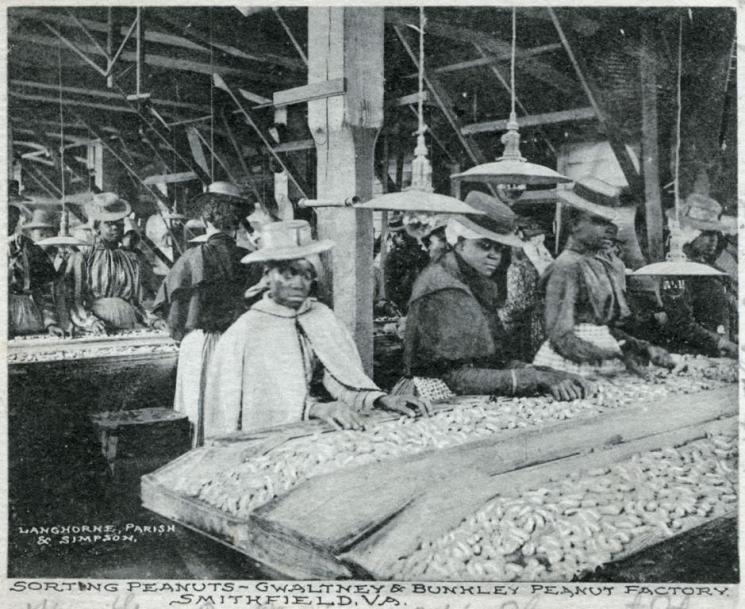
[(144, 88)]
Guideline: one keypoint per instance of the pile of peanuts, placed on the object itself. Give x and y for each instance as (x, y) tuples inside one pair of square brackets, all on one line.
[(238, 486), (32, 348), (576, 524)]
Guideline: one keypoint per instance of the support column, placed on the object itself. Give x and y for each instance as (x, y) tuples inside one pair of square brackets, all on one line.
[(650, 152), (348, 43)]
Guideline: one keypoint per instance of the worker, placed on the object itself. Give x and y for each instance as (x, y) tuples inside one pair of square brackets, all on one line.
[(131, 240), (43, 225), (585, 300), (31, 305), (289, 358), (201, 296), (691, 313), (404, 261), (454, 340), (114, 277), (434, 239)]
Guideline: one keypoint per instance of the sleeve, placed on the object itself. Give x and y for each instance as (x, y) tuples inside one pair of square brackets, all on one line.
[(683, 327), (562, 291), (223, 394), (48, 304), (521, 290), (487, 381), (359, 400)]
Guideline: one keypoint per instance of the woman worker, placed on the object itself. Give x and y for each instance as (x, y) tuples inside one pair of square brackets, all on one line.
[(453, 331), (585, 302)]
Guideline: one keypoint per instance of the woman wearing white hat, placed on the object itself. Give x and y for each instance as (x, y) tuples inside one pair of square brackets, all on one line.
[(585, 287), (454, 340), (289, 358)]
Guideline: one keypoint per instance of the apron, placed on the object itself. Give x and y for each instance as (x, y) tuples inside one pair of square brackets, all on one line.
[(24, 317), (194, 358), (115, 313), (599, 336)]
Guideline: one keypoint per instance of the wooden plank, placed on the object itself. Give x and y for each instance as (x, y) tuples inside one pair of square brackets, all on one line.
[(314, 90), (611, 129), (171, 178), (295, 146), (444, 506), (549, 118), (412, 98), (536, 68), (378, 491)]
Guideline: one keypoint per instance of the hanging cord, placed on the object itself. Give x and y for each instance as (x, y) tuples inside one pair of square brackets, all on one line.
[(212, 103), (61, 126), (512, 59), (678, 120), (422, 21)]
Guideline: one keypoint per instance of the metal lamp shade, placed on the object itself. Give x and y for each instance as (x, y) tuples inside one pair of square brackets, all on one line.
[(677, 268), (511, 171), (418, 201)]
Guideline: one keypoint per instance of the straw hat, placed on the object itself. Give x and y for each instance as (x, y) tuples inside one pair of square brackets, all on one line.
[(107, 207), (598, 198), (289, 240), (496, 222), (223, 190), (703, 213), (41, 218)]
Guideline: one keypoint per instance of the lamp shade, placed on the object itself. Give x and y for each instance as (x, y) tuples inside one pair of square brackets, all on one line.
[(678, 268), (413, 200), (511, 171)]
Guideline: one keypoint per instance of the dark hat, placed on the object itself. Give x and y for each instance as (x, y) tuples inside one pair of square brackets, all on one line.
[(496, 222), (41, 218)]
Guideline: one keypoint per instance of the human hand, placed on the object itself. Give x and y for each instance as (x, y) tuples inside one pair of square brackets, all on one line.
[(407, 405), (565, 386), (727, 348), (158, 324), (337, 414), (660, 357), (98, 328), (636, 364), (54, 330)]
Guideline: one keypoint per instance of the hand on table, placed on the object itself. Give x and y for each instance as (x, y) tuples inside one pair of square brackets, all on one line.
[(565, 386), (407, 405), (55, 331), (660, 357), (336, 414), (727, 348)]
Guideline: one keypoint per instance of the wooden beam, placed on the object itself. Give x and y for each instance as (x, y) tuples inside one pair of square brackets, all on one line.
[(158, 61), (196, 41), (649, 150), (103, 94), (491, 59), (170, 178), (290, 35), (611, 129), (295, 146), (407, 100), (443, 100), (549, 118), (529, 64), (306, 93)]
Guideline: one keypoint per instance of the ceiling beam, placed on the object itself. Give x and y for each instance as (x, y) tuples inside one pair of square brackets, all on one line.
[(158, 37), (443, 100), (103, 94), (537, 69), (159, 61), (548, 118), (485, 61), (612, 130)]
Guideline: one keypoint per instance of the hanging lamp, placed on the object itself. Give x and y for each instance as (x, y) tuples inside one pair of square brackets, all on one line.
[(63, 235), (511, 172), (419, 198), (676, 262)]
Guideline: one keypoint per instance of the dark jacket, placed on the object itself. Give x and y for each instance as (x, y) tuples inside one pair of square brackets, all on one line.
[(204, 289)]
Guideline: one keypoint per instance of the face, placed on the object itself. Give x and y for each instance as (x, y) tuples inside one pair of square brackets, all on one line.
[(594, 232), (290, 282), (436, 246), (705, 245), (483, 255), (37, 234), (111, 230)]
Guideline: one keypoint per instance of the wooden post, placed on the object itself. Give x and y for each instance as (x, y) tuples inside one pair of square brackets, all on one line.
[(650, 153), (348, 43)]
